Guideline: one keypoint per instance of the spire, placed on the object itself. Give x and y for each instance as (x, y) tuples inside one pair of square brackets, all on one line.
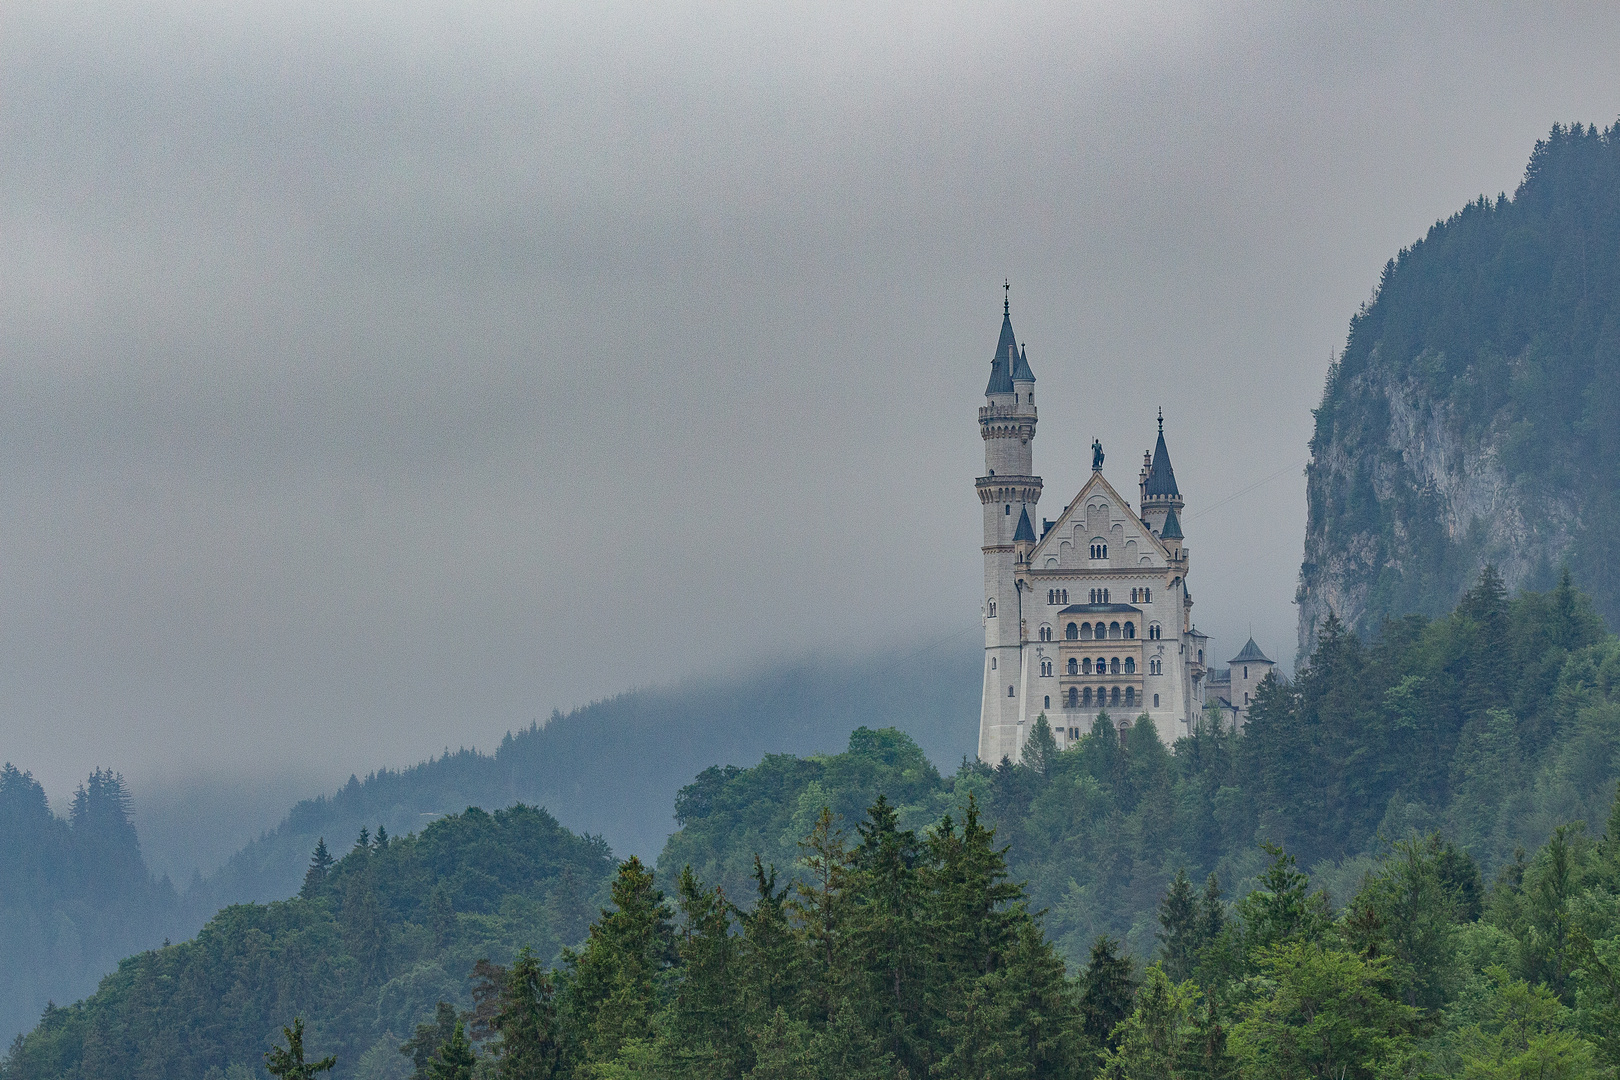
[(1001, 365), (1021, 372), (1161, 483), (1171, 530), (1025, 531)]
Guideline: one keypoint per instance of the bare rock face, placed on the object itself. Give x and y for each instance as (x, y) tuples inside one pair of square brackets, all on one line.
[(1407, 505), (1474, 414)]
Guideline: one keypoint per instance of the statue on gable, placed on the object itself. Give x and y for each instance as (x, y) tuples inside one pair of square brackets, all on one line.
[(1096, 455)]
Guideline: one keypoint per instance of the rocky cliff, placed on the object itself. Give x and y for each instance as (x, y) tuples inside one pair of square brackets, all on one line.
[(1474, 414)]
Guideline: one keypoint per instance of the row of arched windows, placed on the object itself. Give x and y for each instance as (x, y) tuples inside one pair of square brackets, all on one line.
[(1057, 596), (1142, 596), (1112, 632), (1080, 697), (1099, 596), (1099, 551)]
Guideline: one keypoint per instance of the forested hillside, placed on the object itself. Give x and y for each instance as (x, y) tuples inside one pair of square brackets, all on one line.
[(372, 944), (1474, 414), (75, 895), (612, 768), (1492, 725)]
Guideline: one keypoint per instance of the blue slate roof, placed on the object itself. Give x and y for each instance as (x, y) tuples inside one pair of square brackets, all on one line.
[(1172, 528), (1001, 364), (1021, 371), (1251, 654), (1025, 530), (1161, 482)]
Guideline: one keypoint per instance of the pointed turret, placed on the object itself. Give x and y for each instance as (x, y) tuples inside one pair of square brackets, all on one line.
[(1161, 499), (1025, 532), (1021, 371), (1006, 357), (1161, 483)]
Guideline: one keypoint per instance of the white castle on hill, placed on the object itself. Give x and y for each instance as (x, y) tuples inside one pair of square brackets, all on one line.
[(1094, 613)]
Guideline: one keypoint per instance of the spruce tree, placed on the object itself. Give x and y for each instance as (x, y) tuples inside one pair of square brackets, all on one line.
[(1040, 749), (614, 992), (526, 1019), (770, 960), (1107, 993), (820, 906), (424, 1044), (888, 949), (703, 1029), (319, 864), (1181, 931), (288, 1061), (455, 1059)]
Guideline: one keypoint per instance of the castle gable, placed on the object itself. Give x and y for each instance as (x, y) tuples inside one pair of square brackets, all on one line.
[(1098, 529)]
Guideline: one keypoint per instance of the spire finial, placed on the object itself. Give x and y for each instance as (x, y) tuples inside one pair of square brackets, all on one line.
[(1161, 419), (1006, 301)]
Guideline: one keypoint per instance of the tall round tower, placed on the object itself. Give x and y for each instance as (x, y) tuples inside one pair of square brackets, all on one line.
[(1008, 493)]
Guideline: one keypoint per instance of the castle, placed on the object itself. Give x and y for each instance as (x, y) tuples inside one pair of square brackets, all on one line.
[(1092, 614)]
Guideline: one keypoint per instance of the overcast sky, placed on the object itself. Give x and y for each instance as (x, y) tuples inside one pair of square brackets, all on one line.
[(376, 377)]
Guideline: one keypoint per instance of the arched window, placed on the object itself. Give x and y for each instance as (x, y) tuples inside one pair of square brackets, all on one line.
[(1072, 632), (1113, 631), (1048, 596), (1130, 665), (1130, 631), (1009, 510), (992, 663), (1245, 671), (1102, 664), (1147, 596), (1065, 596), (1085, 666), (1130, 695), (1074, 696), (1200, 656), (992, 609), (1155, 701), (1088, 696), (1085, 631), (1048, 701), (1074, 666), (1113, 699), (1245, 697), (1113, 666), (1010, 691)]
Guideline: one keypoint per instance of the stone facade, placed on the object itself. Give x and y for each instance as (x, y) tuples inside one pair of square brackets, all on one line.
[(1092, 613)]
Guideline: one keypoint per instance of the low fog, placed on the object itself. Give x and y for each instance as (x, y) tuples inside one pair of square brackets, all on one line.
[(375, 378)]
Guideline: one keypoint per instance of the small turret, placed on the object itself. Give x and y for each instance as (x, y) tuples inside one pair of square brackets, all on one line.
[(1160, 497)]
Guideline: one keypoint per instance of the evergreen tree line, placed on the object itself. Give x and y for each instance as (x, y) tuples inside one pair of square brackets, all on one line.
[(898, 954), (75, 893), (1493, 726)]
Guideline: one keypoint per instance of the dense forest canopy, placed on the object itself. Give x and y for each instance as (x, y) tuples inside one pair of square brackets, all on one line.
[(76, 897), (1112, 909), (1474, 414)]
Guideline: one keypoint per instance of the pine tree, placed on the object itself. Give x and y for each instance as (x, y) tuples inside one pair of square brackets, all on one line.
[(615, 982), (424, 1044), (455, 1059), (382, 838), (703, 1030), (288, 1061), (1181, 930), (770, 960), (1040, 749), (526, 1019), (319, 864), (1107, 993), (820, 906), (886, 931)]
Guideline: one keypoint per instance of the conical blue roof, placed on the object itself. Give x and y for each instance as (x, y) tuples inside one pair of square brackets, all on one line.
[(1025, 530), (1251, 654), (1172, 528), (1021, 372), (1001, 364), (1161, 482)]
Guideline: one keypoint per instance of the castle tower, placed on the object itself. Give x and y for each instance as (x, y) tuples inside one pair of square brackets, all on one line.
[(1161, 501), (1008, 493), (1249, 669)]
